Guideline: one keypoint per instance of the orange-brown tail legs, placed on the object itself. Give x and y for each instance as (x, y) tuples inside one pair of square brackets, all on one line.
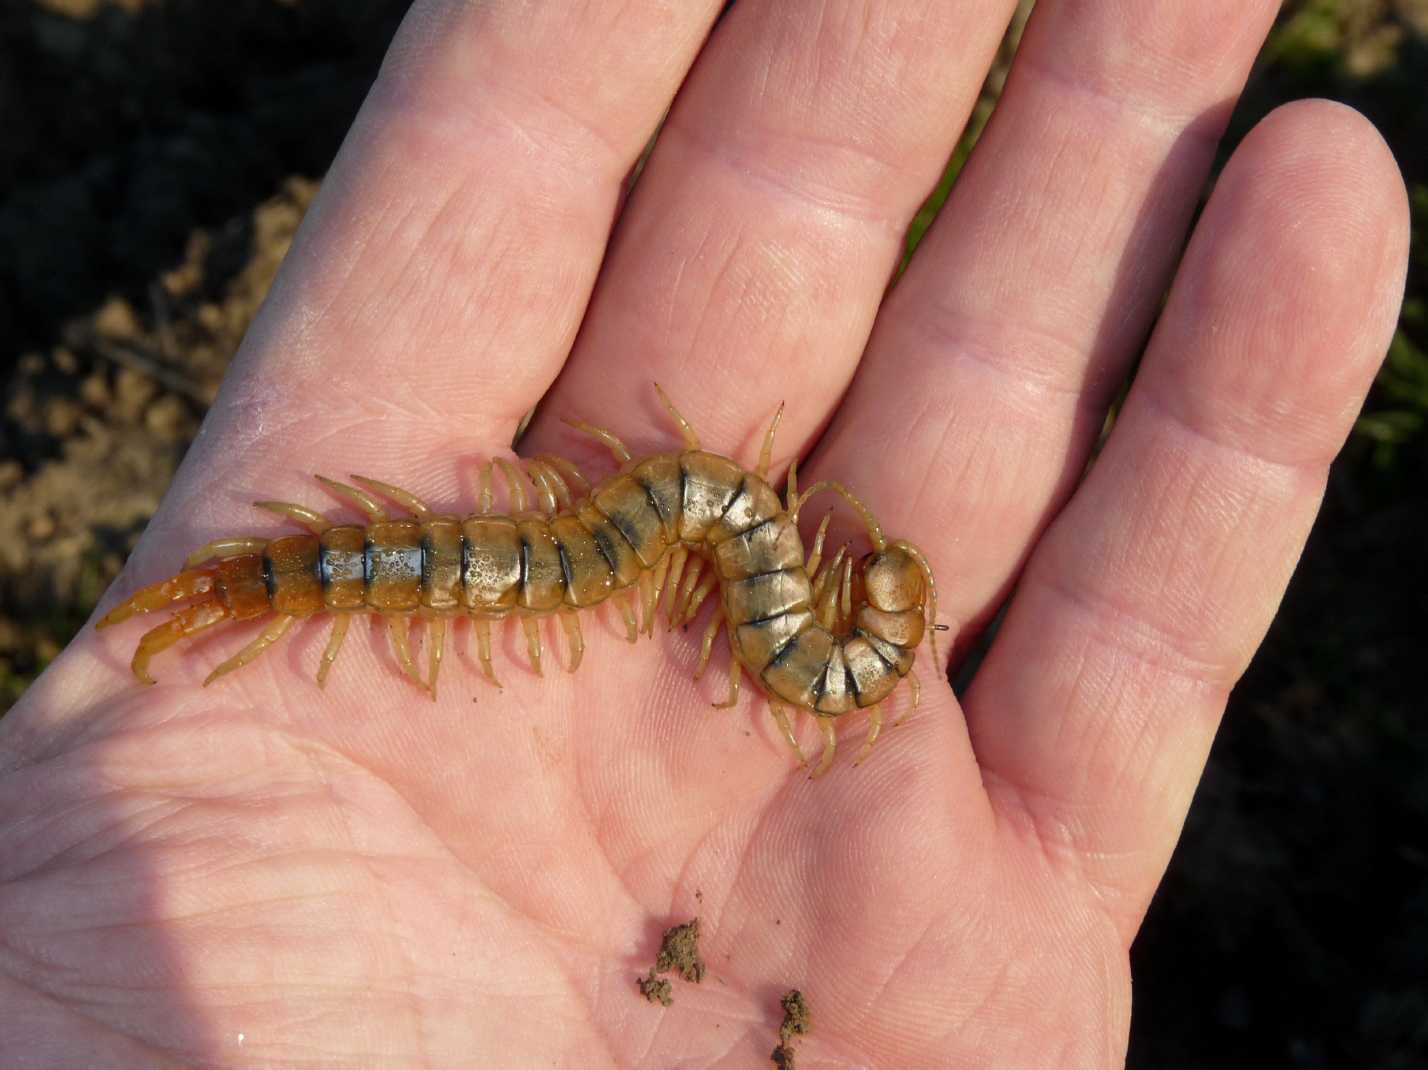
[(191, 583)]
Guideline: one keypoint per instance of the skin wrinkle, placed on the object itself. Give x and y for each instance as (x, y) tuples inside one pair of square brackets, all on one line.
[(752, 168), (94, 1022)]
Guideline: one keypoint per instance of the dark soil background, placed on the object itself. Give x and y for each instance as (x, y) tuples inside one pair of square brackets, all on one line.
[(156, 157)]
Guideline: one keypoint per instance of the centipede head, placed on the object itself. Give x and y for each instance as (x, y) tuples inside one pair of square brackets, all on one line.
[(898, 586)]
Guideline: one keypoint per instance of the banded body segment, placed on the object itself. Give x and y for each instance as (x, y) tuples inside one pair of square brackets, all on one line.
[(542, 579), (393, 550), (589, 575), (342, 567), (612, 545), (634, 512), (441, 552), (662, 481), (708, 484), (491, 563), (290, 566)]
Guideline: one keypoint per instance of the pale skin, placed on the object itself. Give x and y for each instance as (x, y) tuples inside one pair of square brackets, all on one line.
[(262, 873)]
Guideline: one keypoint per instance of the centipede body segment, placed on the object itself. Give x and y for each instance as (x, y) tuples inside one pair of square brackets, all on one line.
[(824, 636)]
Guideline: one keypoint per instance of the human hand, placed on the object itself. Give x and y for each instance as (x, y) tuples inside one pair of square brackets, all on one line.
[(259, 873)]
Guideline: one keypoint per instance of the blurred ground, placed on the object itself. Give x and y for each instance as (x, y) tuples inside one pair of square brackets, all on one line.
[(155, 159)]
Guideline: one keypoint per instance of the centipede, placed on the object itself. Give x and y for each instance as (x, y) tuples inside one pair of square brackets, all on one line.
[(825, 635)]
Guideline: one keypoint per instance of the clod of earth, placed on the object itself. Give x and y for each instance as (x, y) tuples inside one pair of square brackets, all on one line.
[(679, 952), (656, 990), (796, 1022)]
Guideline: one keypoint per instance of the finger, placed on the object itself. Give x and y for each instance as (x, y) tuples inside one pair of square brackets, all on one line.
[(751, 260), (994, 358), (1094, 711), (438, 282)]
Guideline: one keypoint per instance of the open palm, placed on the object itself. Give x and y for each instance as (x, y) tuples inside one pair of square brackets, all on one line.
[(262, 873)]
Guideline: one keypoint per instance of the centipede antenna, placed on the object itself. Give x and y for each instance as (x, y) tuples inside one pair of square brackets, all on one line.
[(691, 440), (875, 531), (926, 569), (791, 494), (314, 522), (613, 444), (514, 485), (407, 500), (363, 501), (766, 452)]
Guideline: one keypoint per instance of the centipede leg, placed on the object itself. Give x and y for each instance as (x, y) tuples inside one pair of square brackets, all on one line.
[(680, 608), (266, 638), (532, 630), (627, 614), (830, 746), (700, 594), (224, 548), (334, 647), (435, 654), (815, 558), (481, 628), (571, 623), (187, 621), (785, 727), (657, 581), (487, 495), (361, 499), (545, 490), (515, 485), (875, 727), (569, 471), (677, 558), (646, 586), (766, 453), (405, 498), (399, 631), (691, 440), (736, 674), (915, 685), (314, 522), (706, 646)]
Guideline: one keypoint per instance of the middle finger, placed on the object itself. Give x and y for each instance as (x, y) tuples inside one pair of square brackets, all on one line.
[(995, 357), (750, 262)]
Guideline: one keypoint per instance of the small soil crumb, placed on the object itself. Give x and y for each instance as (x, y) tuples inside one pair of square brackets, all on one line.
[(796, 1022), (656, 990), (796, 1019), (679, 952)]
